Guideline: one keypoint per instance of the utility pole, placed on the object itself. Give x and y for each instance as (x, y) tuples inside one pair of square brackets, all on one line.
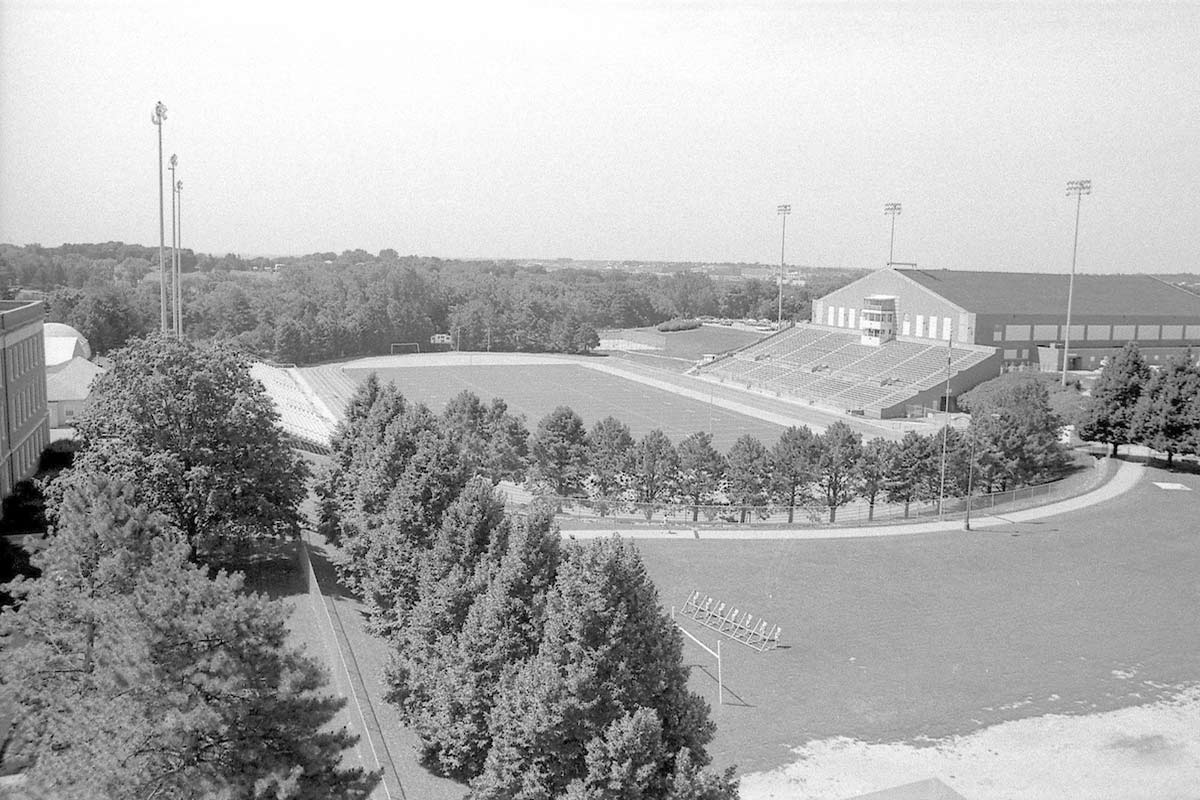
[(172, 163), (1077, 189), (782, 210), (159, 116), (893, 211), (179, 263)]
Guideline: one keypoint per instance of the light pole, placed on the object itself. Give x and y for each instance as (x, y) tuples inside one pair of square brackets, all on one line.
[(1077, 189), (893, 211), (782, 210), (971, 472), (159, 116), (179, 262), (172, 163)]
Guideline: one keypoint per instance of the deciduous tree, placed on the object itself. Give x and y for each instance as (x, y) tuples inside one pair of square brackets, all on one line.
[(793, 462), (560, 451), (1108, 416), (840, 451), (701, 469), (747, 474)]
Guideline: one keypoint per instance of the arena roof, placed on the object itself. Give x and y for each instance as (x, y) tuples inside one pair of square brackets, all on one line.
[(1039, 293)]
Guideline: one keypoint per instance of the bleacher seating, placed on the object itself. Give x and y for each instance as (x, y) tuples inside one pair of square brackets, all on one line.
[(298, 417), (832, 367)]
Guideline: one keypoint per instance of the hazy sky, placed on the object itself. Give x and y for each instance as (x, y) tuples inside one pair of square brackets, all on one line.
[(639, 130)]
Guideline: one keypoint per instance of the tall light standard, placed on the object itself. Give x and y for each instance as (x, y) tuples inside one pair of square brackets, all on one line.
[(782, 210), (159, 116), (172, 163), (893, 211), (1077, 189), (179, 262)]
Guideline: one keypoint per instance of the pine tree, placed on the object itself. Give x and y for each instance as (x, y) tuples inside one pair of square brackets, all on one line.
[(136, 675), (701, 469), (872, 471), (904, 470), (1108, 415), (608, 650), (840, 451), (747, 474), (560, 451), (1167, 415), (655, 469), (792, 464), (610, 454)]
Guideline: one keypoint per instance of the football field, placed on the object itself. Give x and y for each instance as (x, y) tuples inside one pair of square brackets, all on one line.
[(536, 389)]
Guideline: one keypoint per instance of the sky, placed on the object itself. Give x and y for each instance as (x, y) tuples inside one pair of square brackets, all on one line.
[(665, 131)]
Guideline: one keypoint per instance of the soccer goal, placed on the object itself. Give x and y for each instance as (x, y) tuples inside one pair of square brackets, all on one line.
[(405, 348)]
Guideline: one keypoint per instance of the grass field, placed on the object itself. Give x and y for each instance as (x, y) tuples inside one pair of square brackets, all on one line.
[(535, 390), (921, 637)]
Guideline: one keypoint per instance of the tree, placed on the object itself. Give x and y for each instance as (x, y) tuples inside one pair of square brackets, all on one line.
[(1167, 415), (136, 675), (792, 462), (1108, 416), (560, 451), (608, 650), (610, 454), (492, 441), (1017, 434), (701, 469), (655, 469), (187, 425), (872, 471), (747, 474), (501, 630), (909, 461), (840, 451)]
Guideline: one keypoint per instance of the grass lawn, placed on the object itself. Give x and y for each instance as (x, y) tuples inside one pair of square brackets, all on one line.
[(535, 391), (925, 636)]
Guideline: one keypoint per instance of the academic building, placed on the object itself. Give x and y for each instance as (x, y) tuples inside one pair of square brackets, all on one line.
[(24, 427), (887, 344)]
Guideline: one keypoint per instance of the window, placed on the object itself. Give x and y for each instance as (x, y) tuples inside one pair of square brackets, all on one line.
[(1148, 332), (1010, 355), (998, 333), (841, 323), (932, 327), (1076, 332), (920, 325), (829, 312), (906, 326), (1099, 332), (1123, 332), (1016, 333), (1045, 332), (946, 328), (1172, 332), (850, 315)]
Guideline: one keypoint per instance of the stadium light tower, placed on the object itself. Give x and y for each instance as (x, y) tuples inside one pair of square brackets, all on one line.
[(1076, 189), (172, 163), (159, 116), (179, 262), (782, 210), (893, 211)]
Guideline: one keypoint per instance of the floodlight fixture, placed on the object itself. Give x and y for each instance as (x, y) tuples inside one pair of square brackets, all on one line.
[(893, 211), (782, 210), (158, 117)]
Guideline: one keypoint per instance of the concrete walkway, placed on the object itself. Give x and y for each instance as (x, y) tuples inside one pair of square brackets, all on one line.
[(1125, 478)]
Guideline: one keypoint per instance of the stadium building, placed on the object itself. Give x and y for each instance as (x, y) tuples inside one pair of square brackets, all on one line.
[(24, 431), (887, 344)]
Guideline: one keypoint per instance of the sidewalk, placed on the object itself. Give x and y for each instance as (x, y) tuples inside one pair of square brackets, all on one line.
[(1125, 478)]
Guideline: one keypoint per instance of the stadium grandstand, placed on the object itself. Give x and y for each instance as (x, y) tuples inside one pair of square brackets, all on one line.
[(300, 416), (886, 344)]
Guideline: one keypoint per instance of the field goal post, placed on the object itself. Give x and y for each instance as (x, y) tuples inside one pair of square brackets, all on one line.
[(714, 653), (405, 348)]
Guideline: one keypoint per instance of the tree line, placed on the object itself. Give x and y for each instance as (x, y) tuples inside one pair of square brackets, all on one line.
[(528, 667), (135, 664), (326, 306), (1134, 404)]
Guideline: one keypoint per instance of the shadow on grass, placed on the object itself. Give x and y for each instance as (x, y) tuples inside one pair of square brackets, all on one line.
[(728, 692)]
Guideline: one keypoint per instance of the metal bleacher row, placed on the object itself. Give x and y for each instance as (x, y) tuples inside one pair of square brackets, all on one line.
[(298, 417), (833, 368)]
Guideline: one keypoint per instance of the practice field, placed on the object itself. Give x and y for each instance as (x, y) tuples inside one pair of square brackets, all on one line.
[(535, 390), (920, 637)]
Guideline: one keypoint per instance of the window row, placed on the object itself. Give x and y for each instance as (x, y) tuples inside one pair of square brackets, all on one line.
[(1095, 333)]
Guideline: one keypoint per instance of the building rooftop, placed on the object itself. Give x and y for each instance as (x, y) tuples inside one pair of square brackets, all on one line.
[(71, 380), (1040, 293)]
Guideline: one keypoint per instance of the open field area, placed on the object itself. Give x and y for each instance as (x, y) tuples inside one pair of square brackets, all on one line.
[(536, 389), (918, 638)]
